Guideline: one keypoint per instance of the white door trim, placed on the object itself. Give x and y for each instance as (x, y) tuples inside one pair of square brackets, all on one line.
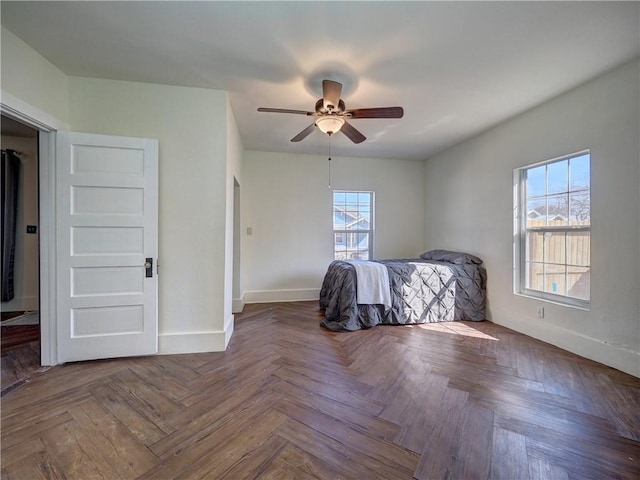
[(47, 125), (23, 112), (48, 272)]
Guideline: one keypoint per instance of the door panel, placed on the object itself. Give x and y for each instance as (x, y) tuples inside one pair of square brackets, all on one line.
[(107, 217)]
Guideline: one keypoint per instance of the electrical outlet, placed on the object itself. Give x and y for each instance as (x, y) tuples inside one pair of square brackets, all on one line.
[(540, 312)]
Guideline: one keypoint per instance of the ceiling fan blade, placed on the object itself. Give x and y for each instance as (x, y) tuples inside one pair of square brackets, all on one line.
[(285, 110), (382, 112), (352, 133), (331, 92), (304, 133)]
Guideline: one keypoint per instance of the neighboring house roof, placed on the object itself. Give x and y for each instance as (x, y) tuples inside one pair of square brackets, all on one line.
[(535, 215), (364, 223), (350, 220)]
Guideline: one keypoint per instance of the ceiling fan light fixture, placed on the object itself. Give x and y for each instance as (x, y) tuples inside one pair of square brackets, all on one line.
[(330, 124)]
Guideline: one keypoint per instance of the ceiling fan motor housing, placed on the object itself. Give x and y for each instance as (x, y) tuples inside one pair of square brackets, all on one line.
[(320, 107)]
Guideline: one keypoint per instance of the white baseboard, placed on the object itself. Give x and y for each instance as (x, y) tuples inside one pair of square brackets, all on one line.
[(229, 326), (24, 304), (272, 296), (237, 305), (615, 356), (31, 303), (192, 342), (196, 342)]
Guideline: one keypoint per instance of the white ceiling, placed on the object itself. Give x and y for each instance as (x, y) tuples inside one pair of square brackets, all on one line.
[(457, 68)]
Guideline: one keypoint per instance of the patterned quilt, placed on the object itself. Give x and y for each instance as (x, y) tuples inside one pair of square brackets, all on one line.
[(421, 292)]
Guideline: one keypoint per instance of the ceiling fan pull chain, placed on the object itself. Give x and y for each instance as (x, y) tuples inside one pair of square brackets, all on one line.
[(329, 162)]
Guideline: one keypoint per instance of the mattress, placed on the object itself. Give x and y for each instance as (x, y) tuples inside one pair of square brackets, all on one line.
[(422, 291)]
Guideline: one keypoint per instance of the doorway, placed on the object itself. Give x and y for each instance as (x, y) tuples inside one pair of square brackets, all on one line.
[(20, 319), (237, 302)]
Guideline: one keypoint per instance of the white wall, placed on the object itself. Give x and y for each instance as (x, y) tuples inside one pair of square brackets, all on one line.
[(33, 89), (469, 200), (287, 204), (200, 150), (26, 264), (31, 79), (190, 124)]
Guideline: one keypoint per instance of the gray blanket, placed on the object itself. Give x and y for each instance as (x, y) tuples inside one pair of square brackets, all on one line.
[(421, 292)]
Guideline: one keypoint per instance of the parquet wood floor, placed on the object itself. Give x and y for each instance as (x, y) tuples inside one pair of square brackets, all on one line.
[(20, 363), (290, 400), (19, 352), (16, 335)]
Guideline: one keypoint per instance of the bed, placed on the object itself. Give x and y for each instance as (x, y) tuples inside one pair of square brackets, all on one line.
[(440, 286)]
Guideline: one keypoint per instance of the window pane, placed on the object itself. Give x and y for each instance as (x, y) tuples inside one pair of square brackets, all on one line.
[(558, 177), (352, 212), (554, 247), (556, 255), (357, 246), (580, 172), (535, 247), (579, 248), (339, 247), (579, 280), (353, 221), (364, 199), (536, 181), (536, 212), (554, 279), (580, 208), (535, 276), (360, 246), (558, 210)]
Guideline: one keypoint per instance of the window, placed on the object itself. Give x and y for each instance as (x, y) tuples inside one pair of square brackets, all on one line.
[(353, 225), (553, 230)]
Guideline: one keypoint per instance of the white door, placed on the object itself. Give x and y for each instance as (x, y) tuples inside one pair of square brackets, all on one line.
[(107, 222)]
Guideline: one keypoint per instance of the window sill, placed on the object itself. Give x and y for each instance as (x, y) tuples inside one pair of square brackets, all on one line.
[(563, 302)]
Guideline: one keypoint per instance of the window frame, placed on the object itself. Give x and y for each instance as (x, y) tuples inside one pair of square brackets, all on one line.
[(521, 230), (347, 234)]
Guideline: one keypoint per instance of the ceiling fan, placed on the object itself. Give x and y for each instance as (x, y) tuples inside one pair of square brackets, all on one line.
[(331, 114)]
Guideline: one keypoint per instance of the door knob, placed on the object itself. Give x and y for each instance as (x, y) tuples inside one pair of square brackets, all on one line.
[(148, 266)]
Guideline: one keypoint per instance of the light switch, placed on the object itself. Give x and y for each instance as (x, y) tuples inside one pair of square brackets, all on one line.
[(249, 231)]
